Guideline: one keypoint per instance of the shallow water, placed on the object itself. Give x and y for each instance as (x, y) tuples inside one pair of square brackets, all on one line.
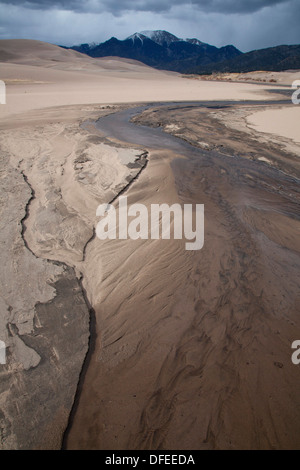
[(119, 126)]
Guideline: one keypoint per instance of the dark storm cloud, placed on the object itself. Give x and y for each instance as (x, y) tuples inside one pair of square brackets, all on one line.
[(155, 6), (246, 24)]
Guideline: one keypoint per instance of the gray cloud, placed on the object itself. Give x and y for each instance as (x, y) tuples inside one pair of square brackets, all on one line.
[(156, 6), (246, 29)]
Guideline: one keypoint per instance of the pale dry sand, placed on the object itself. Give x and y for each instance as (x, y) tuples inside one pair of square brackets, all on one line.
[(41, 75), (284, 122), (169, 362)]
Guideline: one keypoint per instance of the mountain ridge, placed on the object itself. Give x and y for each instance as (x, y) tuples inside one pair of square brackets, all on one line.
[(163, 50)]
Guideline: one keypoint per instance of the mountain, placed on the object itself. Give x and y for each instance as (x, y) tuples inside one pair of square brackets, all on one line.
[(163, 38), (161, 49), (195, 41), (272, 59)]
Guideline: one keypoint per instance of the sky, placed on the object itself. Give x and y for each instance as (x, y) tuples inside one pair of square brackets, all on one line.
[(247, 24)]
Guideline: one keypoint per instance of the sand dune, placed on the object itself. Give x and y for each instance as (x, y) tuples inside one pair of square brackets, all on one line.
[(40, 75), (29, 52)]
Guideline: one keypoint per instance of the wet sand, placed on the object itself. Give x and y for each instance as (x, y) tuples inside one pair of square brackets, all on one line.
[(193, 349)]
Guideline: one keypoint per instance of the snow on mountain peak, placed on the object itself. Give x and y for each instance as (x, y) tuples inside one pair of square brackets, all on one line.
[(160, 37), (194, 41), (135, 36)]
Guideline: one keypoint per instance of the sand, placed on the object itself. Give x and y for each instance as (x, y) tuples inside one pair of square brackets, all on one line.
[(285, 78), (215, 323), (184, 352), (280, 122), (43, 75)]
